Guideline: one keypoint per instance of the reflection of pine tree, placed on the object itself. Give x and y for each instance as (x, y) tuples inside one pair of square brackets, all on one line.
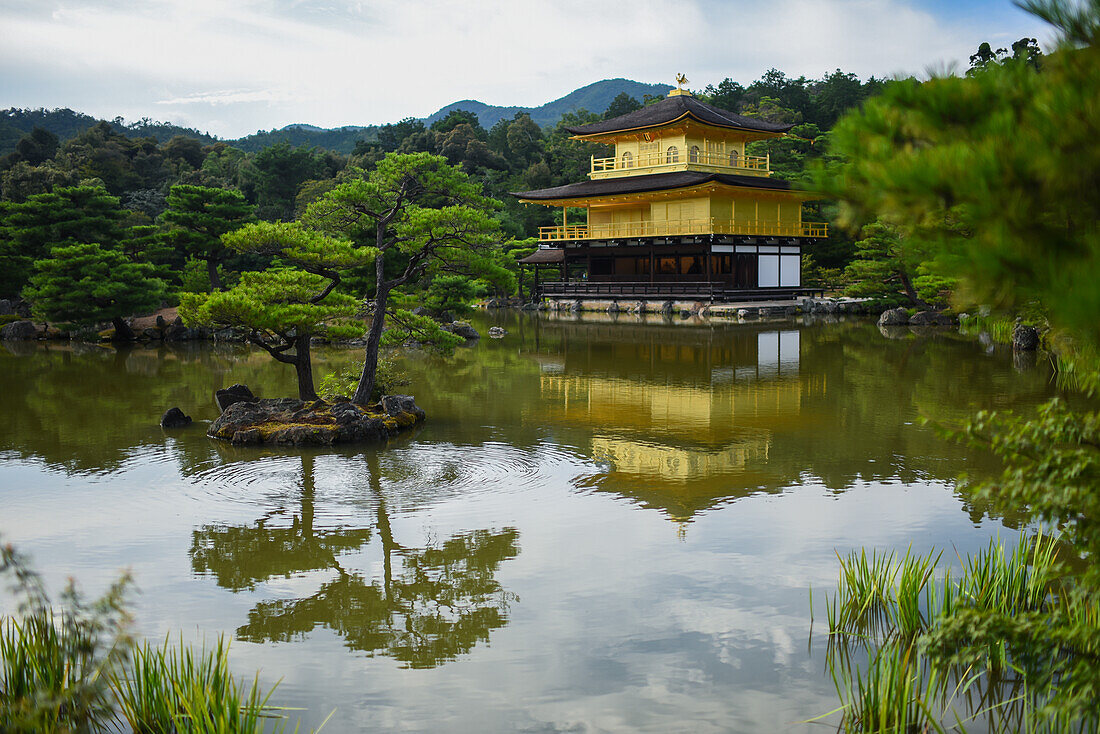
[(431, 604), (240, 556)]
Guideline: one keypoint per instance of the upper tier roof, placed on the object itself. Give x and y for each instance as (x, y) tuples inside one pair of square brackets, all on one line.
[(673, 108), (653, 182)]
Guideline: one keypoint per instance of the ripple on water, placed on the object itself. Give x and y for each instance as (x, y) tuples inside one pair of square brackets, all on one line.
[(408, 477)]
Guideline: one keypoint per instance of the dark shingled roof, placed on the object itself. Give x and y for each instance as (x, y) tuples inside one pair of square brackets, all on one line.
[(543, 256), (673, 108), (653, 182)]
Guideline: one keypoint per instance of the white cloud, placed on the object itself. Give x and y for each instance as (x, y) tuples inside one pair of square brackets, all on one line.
[(328, 63), (230, 96)]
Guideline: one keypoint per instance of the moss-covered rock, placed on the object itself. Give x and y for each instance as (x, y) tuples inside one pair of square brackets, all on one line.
[(291, 422)]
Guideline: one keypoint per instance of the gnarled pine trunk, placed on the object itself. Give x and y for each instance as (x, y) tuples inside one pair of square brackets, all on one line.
[(303, 366)]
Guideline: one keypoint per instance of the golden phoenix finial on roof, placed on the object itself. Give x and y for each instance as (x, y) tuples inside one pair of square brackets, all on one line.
[(681, 80)]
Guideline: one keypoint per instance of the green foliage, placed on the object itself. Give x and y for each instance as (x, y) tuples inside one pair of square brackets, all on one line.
[(894, 269), (275, 174), (621, 105), (995, 174), (341, 383), (65, 216), (54, 660), (73, 667), (175, 689), (199, 216), (86, 284), (274, 303), (946, 650), (452, 293)]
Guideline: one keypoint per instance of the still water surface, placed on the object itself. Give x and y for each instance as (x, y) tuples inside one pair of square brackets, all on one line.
[(602, 527)]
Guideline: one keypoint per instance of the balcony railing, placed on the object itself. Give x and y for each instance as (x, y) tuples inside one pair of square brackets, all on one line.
[(675, 227), (733, 162)]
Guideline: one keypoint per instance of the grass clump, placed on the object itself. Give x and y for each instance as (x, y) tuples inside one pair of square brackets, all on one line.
[(73, 667), (937, 660)]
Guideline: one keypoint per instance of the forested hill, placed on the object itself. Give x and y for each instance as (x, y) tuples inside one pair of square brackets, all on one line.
[(594, 97), (337, 139), (67, 124)]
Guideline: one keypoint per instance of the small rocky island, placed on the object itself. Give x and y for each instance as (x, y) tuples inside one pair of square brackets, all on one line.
[(246, 419)]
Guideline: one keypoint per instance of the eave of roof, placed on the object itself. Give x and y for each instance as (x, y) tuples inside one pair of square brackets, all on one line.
[(544, 256), (654, 182), (673, 109)]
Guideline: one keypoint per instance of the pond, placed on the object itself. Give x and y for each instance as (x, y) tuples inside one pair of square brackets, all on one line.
[(605, 525)]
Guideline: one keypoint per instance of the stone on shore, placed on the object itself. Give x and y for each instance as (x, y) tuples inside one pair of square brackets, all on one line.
[(894, 317), (292, 422), (930, 318), (233, 394), (19, 330), (1025, 338)]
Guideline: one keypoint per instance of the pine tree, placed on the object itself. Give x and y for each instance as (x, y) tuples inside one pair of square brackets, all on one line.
[(86, 284), (199, 216)]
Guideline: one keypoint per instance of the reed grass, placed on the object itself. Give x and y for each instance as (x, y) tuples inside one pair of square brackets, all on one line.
[(73, 668), (176, 689), (885, 603)]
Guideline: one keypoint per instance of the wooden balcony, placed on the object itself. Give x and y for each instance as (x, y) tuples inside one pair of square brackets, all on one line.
[(672, 228), (696, 160)]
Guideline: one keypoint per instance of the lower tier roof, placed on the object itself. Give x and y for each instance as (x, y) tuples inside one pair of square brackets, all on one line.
[(652, 182)]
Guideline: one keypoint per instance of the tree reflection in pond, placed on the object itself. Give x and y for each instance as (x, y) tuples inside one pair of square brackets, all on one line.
[(430, 605)]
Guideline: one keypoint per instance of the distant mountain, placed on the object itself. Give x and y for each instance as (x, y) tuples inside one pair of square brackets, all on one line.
[(594, 98), (66, 124)]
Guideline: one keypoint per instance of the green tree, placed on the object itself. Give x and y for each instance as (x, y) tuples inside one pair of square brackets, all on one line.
[(454, 118), (276, 172), (450, 293), (86, 284), (199, 216), (390, 137), (622, 104), (998, 170), (727, 95), (283, 308), (421, 214), (891, 267), (65, 216)]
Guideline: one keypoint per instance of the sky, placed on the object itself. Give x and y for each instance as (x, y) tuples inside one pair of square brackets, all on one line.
[(231, 67)]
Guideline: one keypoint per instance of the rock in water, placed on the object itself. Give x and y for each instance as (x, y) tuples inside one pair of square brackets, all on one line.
[(19, 330), (496, 332), (1025, 338), (464, 330), (233, 394), (894, 317), (174, 418)]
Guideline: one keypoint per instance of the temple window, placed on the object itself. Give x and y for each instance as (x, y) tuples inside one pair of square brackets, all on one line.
[(672, 155), (735, 159), (628, 160), (693, 154)]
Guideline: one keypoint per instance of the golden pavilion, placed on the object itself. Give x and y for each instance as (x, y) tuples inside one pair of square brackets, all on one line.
[(680, 211)]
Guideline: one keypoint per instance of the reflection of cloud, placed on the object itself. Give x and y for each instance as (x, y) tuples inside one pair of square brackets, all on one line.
[(230, 96)]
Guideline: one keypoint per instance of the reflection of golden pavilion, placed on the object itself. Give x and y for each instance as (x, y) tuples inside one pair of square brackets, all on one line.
[(676, 463), (684, 445)]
